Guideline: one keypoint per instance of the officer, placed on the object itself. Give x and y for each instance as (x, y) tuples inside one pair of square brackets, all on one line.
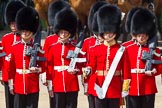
[(102, 61)]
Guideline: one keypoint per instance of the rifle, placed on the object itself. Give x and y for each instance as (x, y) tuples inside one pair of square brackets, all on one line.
[(2, 54), (148, 56), (33, 51), (73, 55)]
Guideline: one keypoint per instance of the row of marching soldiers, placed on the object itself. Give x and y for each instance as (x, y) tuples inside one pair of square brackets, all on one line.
[(112, 71)]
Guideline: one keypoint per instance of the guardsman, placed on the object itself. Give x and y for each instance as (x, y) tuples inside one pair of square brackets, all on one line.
[(143, 85), (23, 79), (54, 7), (106, 63), (128, 26), (63, 83), (88, 45), (7, 41)]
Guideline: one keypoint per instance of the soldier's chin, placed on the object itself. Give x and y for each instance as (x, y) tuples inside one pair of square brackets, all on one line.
[(63, 39), (13, 30), (142, 42), (100, 40), (26, 37), (110, 39)]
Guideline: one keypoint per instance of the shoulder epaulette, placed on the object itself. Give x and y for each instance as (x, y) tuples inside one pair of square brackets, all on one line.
[(126, 42), (130, 45), (50, 35), (88, 38), (7, 34)]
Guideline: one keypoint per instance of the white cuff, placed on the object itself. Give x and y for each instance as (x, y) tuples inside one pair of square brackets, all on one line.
[(49, 85), (85, 87), (43, 77), (0, 75), (10, 84)]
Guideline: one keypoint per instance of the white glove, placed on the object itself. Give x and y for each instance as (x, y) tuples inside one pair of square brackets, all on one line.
[(124, 94), (43, 78), (51, 93), (86, 72), (150, 73)]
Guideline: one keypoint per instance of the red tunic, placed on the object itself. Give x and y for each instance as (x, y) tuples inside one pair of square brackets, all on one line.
[(99, 60), (87, 44), (61, 80), (87, 47), (48, 42), (7, 41), (141, 84), (126, 44), (24, 83)]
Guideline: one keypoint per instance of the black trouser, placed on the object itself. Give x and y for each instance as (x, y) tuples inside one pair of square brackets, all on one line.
[(126, 99), (9, 97), (26, 101), (91, 101), (66, 100), (52, 102), (146, 101), (107, 103)]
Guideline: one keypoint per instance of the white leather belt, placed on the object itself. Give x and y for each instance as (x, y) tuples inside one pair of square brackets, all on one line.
[(137, 70), (60, 68), (23, 71)]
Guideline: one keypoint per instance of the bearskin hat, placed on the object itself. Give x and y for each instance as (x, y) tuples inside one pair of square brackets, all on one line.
[(11, 10), (109, 19), (27, 18), (92, 23), (55, 7), (129, 18), (95, 24), (66, 19), (144, 21)]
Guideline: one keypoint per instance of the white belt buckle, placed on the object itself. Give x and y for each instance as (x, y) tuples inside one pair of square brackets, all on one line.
[(63, 67), (138, 71), (24, 71)]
